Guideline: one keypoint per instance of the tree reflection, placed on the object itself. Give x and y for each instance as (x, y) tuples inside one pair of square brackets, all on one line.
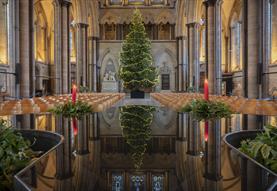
[(135, 123)]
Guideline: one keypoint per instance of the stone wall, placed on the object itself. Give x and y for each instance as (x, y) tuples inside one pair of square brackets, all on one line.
[(164, 55)]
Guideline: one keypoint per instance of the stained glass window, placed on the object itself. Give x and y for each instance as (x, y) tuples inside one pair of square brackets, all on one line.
[(137, 182), (157, 182), (117, 182)]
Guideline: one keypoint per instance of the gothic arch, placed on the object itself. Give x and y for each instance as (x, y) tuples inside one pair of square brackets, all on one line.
[(165, 17), (166, 62), (108, 58), (110, 18)]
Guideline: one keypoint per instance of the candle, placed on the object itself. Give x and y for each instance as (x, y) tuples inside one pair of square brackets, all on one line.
[(74, 125), (206, 131), (74, 93), (206, 90)]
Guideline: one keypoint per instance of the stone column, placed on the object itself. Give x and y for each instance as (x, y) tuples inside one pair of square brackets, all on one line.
[(213, 152), (93, 67), (253, 52), (61, 46), (81, 56), (64, 151), (94, 128), (210, 43), (266, 47), (253, 46), (182, 124), (26, 50), (182, 64), (218, 47), (83, 136), (193, 137), (193, 56)]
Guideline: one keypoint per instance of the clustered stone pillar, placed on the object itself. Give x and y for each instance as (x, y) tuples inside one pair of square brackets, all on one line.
[(81, 56), (213, 45), (193, 137), (253, 47), (193, 56), (266, 47), (83, 136), (213, 152), (26, 51), (93, 67), (182, 124), (218, 47), (210, 45), (181, 68), (64, 151), (252, 35), (61, 46), (94, 128)]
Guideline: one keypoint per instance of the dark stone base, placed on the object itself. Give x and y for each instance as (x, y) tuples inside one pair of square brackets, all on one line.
[(137, 95)]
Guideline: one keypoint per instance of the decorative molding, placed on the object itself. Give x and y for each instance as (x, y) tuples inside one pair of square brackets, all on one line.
[(149, 16)]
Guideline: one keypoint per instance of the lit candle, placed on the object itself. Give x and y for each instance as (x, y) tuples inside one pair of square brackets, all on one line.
[(206, 131), (206, 90), (74, 93), (75, 126)]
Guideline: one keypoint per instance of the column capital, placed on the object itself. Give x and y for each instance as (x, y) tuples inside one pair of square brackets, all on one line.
[(93, 38), (181, 37), (192, 24), (65, 2), (81, 25), (62, 2), (209, 3)]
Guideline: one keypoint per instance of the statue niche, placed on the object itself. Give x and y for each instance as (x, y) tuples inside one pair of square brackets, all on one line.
[(109, 82)]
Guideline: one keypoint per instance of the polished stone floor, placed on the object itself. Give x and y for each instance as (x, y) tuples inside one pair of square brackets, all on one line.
[(97, 155)]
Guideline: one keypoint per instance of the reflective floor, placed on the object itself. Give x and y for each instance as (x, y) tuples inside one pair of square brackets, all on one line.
[(141, 148)]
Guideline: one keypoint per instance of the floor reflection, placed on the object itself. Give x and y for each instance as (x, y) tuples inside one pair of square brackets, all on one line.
[(97, 157)]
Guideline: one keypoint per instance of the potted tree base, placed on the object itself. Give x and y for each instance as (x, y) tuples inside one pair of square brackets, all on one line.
[(137, 94)]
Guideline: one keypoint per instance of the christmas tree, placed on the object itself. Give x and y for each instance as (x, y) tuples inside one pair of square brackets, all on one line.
[(137, 70)]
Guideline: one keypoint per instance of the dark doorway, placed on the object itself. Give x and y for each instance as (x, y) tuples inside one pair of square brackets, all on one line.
[(165, 82)]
